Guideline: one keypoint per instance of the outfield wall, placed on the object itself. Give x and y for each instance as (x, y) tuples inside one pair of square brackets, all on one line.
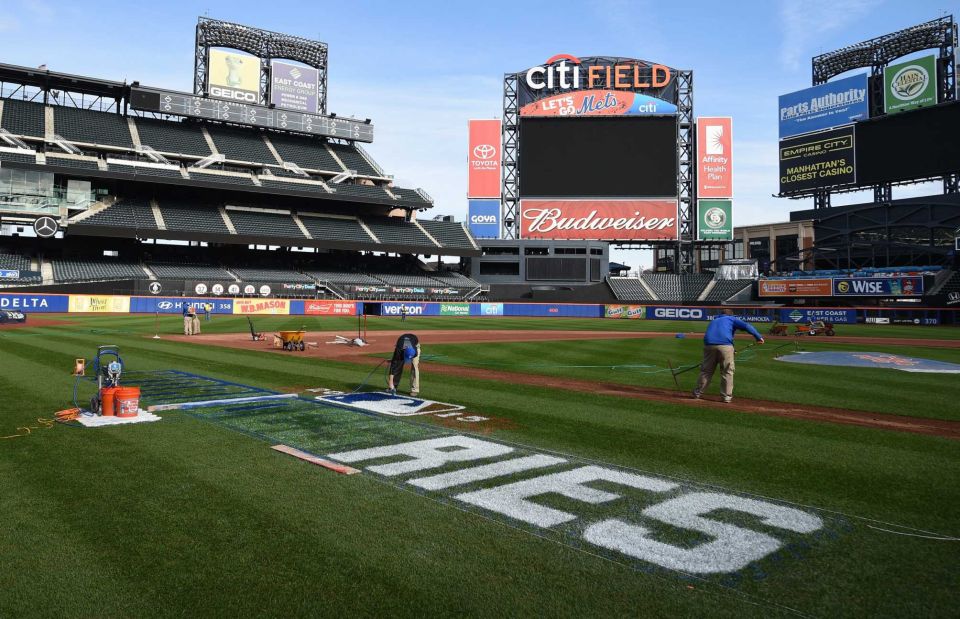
[(113, 304)]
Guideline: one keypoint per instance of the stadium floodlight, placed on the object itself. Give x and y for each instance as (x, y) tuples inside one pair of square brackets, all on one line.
[(339, 178), (208, 161)]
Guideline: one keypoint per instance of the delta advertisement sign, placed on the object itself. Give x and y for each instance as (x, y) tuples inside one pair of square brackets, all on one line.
[(35, 303), (599, 103), (484, 159), (599, 220), (833, 104)]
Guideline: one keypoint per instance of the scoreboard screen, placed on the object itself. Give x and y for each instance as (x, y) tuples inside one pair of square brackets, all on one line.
[(181, 104), (598, 157)]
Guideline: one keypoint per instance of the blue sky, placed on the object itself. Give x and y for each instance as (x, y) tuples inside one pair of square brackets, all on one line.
[(420, 70)]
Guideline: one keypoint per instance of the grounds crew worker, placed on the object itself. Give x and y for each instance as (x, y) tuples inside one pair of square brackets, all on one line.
[(407, 350), (196, 318), (189, 313), (718, 350)]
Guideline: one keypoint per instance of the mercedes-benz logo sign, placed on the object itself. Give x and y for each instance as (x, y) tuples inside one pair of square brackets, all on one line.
[(45, 227), (484, 151), (155, 288)]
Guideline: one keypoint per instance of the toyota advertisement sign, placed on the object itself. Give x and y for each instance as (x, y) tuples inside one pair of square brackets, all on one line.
[(484, 159), (294, 87), (599, 220), (483, 217)]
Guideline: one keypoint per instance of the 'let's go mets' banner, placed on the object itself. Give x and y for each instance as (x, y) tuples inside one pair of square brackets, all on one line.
[(598, 103), (599, 220)]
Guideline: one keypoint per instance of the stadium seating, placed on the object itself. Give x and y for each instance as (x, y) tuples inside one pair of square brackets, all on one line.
[(192, 217), (173, 137), (79, 125), (447, 233), (189, 271), (70, 162), (344, 277), (725, 288), (677, 288), (269, 181), (335, 229), (952, 284), (409, 196), (241, 145), (361, 191), (406, 279), (18, 157), (101, 269), (213, 177), (393, 231), (126, 213), (145, 171), (306, 152), (23, 118), (11, 261), (254, 223), (253, 274), (452, 278), (628, 289), (352, 158)]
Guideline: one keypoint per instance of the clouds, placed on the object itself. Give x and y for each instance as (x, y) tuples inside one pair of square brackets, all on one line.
[(805, 24)]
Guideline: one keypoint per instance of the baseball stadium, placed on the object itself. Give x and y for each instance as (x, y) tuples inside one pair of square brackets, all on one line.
[(251, 370)]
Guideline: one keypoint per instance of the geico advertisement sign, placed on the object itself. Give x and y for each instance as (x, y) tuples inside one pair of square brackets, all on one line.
[(676, 313), (564, 71), (390, 309), (601, 220)]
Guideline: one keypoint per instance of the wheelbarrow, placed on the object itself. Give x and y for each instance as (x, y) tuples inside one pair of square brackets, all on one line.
[(292, 340)]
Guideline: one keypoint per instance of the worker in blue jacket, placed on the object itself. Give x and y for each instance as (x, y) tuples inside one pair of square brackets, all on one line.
[(718, 350)]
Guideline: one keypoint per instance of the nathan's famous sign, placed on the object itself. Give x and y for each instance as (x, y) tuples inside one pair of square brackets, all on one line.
[(568, 86)]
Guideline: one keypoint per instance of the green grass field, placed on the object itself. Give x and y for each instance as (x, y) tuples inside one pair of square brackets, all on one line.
[(195, 515)]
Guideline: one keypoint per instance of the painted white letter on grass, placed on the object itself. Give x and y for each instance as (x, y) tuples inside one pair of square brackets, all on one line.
[(511, 499), (428, 454), (732, 548)]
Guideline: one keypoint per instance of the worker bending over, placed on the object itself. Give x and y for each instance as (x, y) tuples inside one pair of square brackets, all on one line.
[(407, 350), (718, 350)]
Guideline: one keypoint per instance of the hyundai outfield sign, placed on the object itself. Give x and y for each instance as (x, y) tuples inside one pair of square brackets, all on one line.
[(484, 218), (836, 103)]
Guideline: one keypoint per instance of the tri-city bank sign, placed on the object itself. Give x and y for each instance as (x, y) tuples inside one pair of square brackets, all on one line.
[(564, 71)]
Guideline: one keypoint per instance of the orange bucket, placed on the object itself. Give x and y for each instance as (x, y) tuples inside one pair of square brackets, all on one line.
[(128, 401), (107, 401)]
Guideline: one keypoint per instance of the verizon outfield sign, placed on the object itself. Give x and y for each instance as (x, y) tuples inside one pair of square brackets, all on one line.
[(599, 220)]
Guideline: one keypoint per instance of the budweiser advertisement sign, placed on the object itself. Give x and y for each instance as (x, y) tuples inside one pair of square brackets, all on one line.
[(714, 157), (329, 308), (599, 220), (484, 159)]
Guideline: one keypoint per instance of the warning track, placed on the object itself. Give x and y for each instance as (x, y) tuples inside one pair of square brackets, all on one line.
[(383, 341)]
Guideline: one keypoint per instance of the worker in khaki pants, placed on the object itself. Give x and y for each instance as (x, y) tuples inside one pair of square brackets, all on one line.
[(718, 350), (189, 313), (406, 350)]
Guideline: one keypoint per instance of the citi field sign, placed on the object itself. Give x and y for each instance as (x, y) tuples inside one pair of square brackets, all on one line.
[(567, 72)]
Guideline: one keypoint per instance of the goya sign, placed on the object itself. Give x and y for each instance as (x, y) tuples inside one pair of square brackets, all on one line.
[(910, 85)]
